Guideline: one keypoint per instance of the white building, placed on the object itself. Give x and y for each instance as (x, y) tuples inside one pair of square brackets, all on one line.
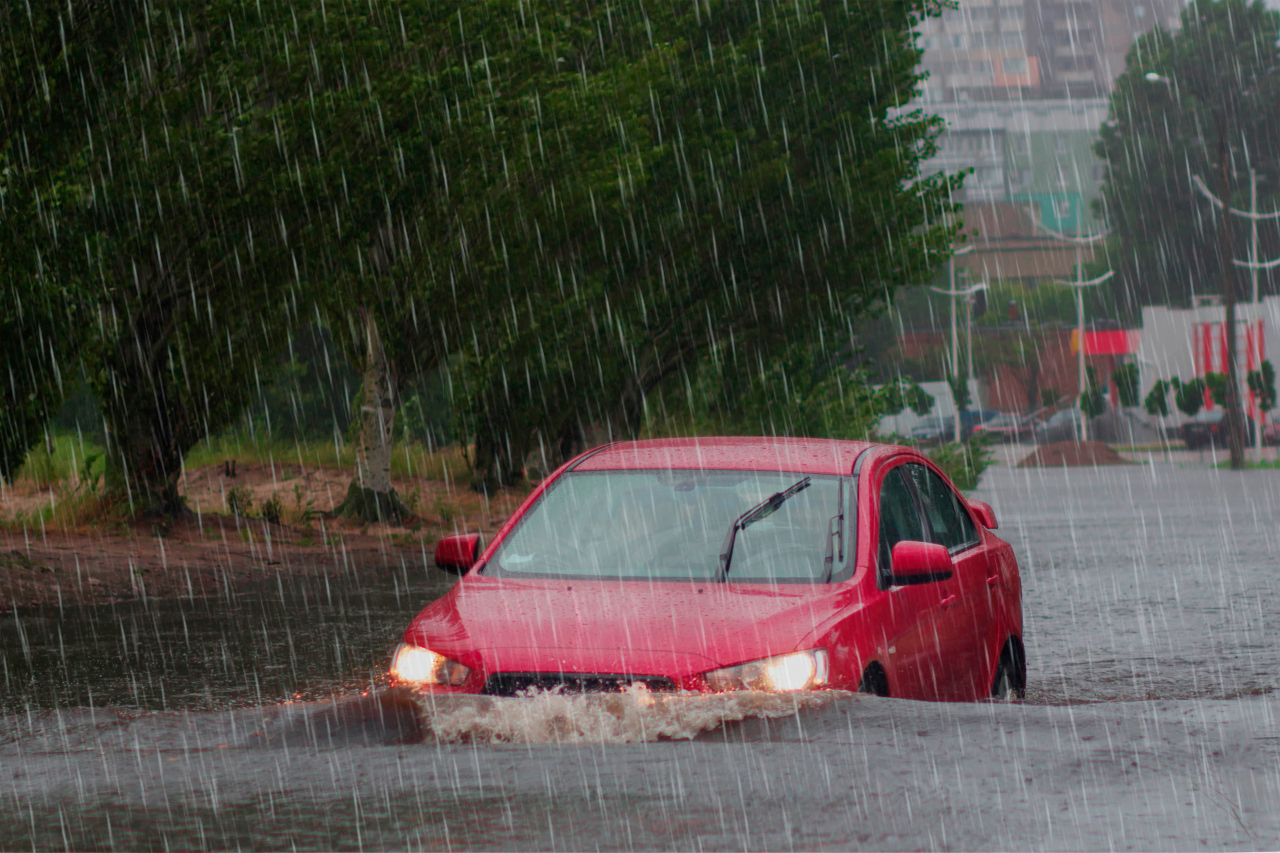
[(1188, 343)]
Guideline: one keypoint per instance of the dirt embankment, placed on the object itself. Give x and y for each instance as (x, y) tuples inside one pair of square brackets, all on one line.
[(1073, 454), (212, 550)]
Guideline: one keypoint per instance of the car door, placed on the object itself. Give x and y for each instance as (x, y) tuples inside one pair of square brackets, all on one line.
[(967, 613), (913, 645)]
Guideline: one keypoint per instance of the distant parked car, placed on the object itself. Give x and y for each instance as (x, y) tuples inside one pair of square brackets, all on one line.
[(1271, 434), (1006, 427), (1063, 425), (1209, 429), (939, 430)]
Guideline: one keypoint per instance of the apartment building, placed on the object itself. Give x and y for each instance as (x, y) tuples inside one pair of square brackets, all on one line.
[(987, 50)]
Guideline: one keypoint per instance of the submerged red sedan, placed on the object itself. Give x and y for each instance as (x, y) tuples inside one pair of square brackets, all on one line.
[(717, 564)]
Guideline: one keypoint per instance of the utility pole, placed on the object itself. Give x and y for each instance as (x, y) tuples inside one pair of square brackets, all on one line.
[(1235, 439), (1079, 284), (955, 343)]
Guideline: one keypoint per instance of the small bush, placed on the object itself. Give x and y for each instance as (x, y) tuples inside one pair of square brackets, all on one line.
[(446, 510), (239, 501), (964, 463), (272, 509)]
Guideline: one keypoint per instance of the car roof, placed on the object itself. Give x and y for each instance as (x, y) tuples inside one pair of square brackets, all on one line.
[(733, 453)]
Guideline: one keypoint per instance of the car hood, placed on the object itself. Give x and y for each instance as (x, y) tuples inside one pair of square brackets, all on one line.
[(640, 627)]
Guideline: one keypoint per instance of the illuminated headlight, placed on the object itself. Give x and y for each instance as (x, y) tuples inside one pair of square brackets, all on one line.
[(798, 671), (423, 666)]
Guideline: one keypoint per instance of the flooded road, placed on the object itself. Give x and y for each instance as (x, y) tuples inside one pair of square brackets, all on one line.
[(1145, 581), (1149, 593), (306, 637)]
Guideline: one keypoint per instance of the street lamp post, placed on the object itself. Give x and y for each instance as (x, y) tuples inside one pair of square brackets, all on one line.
[(955, 343), (1079, 284)]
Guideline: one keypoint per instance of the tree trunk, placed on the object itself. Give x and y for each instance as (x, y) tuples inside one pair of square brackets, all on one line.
[(143, 459), (371, 496)]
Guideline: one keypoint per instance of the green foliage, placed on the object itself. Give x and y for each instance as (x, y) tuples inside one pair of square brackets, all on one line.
[(49, 52), (272, 509), (1189, 396), (1217, 385), (1262, 383), (239, 501), (1217, 107), (964, 463), (716, 234), (1049, 397), (959, 392), (576, 208), (1157, 401), (1092, 403), (1126, 381)]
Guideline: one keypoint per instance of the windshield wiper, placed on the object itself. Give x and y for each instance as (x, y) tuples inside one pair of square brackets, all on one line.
[(764, 509)]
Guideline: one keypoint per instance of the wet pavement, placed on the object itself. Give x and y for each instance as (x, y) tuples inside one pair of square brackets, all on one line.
[(1145, 581), (1149, 595), (288, 638)]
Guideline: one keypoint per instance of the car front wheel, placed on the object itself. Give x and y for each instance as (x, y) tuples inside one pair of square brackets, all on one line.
[(1005, 686)]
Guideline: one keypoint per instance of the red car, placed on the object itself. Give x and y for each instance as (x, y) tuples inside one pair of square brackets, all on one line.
[(718, 564)]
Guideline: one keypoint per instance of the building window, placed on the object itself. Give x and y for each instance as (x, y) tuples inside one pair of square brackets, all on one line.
[(1024, 177), (1020, 144), (1014, 66), (1062, 208), (982, 66), (1060, 143)]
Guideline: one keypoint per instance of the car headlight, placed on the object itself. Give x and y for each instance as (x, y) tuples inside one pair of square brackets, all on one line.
[(797, 671), (423, 666)]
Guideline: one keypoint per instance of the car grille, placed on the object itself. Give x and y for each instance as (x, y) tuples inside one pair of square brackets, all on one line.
[(511, 683)]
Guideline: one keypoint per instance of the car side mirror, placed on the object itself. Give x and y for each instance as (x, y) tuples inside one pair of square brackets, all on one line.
[(920, 562), (457, 554), (986, 515)]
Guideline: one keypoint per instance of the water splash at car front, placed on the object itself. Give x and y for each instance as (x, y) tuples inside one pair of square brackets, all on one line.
[(634, 715)]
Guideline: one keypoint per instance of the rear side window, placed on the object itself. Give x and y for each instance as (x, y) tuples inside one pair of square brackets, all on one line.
[(949, 523), (899, 520)]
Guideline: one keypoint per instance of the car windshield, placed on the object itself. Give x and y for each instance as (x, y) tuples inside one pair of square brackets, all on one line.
[(672, 525)]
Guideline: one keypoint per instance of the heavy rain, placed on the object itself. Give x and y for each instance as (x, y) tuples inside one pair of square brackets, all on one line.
[(552, 424)]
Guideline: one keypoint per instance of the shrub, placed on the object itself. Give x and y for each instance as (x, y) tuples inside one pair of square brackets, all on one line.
[(272, 509), (964, 463), (239, 501)]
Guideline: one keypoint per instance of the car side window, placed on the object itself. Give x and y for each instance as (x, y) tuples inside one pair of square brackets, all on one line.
[(949, 523), (899, 519)]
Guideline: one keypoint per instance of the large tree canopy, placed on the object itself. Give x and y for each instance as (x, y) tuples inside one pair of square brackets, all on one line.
[(55, 58), (574, 206), (1217, 87)]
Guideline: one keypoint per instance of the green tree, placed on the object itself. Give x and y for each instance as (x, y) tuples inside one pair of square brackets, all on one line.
[(1216, 92), (1189, 396), (47, 53), (1262, 383), (1206, 111), (1126, 380), (1157, 399), (774, 197), (1092, 403)]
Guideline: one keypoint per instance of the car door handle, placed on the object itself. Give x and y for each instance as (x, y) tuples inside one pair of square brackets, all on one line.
[(993, 581), (948, 601)]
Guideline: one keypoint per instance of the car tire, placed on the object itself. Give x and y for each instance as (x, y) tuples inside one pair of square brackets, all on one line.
[(874, 681), (1009, 684)]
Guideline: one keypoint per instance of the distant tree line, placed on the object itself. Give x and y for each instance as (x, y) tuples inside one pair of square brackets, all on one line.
[(588, 218)]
